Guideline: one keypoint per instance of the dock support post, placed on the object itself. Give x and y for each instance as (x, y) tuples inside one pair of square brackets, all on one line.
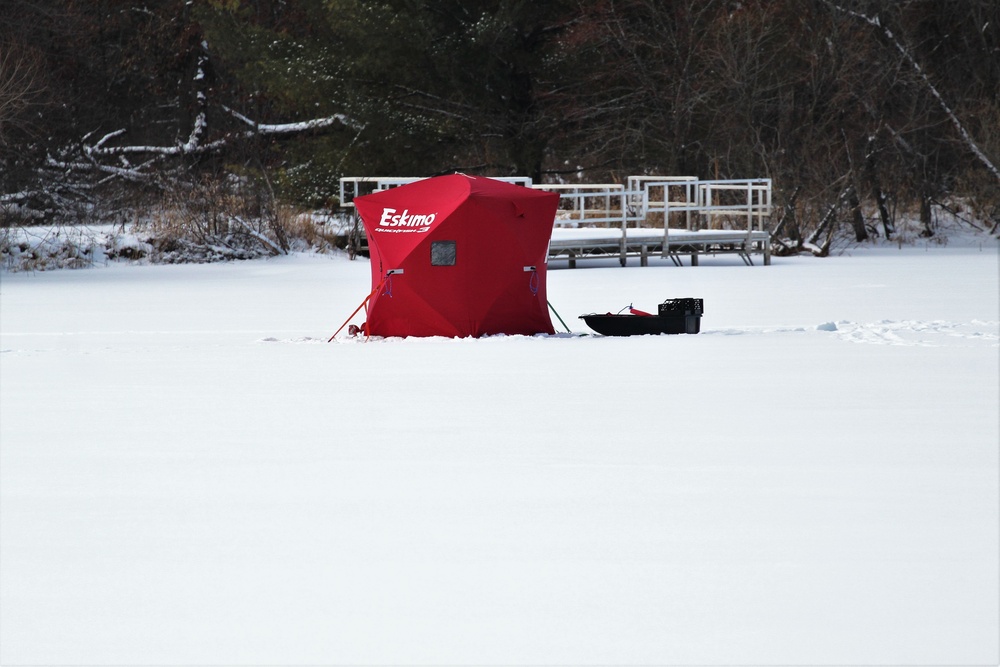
[(572, 259), (644, 255), (694, 259)]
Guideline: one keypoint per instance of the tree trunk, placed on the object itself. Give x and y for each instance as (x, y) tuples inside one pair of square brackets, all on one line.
[(857, 219), (878, 194), (826, 225), (788, 220), (926, 219)]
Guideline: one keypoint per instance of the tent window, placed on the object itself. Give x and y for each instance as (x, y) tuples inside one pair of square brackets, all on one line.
[(442, 253)]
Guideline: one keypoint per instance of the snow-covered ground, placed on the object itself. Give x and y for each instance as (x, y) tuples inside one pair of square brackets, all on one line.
[(190, 474)]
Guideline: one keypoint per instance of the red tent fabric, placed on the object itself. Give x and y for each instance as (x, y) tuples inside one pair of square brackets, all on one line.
[(458, 256)]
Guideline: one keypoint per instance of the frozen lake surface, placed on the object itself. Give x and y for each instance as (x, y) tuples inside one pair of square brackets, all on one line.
[(190, 474)]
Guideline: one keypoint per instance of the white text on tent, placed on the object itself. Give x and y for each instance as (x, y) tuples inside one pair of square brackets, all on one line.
[(404, 219)]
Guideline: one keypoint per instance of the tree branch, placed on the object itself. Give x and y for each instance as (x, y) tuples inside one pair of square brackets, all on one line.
[(875, 22)]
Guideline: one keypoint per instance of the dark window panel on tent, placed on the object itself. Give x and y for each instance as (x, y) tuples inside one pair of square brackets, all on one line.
[(443, 253)]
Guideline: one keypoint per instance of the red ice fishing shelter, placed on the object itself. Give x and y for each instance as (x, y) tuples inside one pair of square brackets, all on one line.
[(458, 256)]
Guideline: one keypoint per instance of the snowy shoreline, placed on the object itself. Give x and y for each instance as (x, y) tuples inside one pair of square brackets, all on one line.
[(46, 248)]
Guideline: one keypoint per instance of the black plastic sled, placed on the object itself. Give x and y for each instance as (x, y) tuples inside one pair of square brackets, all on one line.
[(674, 316)]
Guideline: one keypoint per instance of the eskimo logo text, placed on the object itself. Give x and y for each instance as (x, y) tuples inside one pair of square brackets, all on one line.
[(406, 221)]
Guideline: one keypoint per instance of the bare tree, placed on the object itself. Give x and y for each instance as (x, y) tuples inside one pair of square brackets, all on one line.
[(19, 84), (967, 138)]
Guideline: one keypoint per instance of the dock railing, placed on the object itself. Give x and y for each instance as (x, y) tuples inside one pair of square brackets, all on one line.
[(729, 215), (749, 198), (653, 193), (695, 216), (607, 205)]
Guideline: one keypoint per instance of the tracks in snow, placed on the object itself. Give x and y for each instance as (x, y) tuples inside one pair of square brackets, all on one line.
[(910, 333)]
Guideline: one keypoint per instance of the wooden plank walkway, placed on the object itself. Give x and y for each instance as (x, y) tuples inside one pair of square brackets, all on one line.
[(600, 243)]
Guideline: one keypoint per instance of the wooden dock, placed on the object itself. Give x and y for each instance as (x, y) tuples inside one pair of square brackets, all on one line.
[(594, 243)]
